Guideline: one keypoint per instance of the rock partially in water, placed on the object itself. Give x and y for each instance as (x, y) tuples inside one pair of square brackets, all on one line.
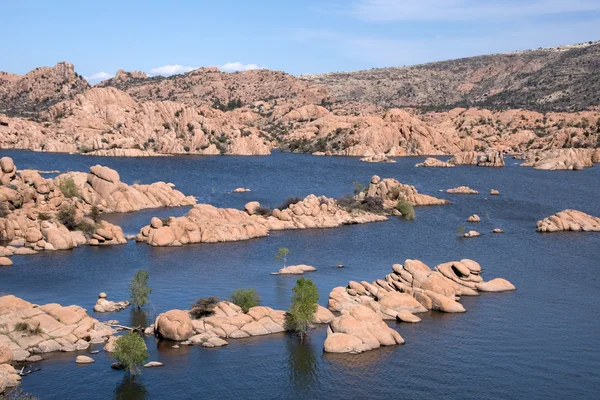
[(84, 360), (431, 162), (241, 190), (377, 158), (492, 159), (497, 230), (472, 234), (104, 306), (495, 285), (295, 270), (569, 220), (494, 192), (474, 218), (391, 191), (174, 325), (462, 190), (562, 159), (414, 288), (153, 364), (5, 262), (357, 330)]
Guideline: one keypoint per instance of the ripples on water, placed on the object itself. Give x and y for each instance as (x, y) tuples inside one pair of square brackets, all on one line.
[(538, 342)]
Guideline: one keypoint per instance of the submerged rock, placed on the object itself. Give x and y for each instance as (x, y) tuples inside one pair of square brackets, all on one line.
[(295, 270)]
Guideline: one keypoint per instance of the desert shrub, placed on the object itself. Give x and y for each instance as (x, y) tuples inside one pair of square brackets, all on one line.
[(245, 299), (94, 214), (372, 204), (165, 221), (358, 187), (394, 193), (86, 226), (264, 211), (68, 188), (44, 216), (66, 216), (288, 202), (406, 209), (138, 288), (85, 149), (130, 351), (204, 307), (304, 306), (21, 326)]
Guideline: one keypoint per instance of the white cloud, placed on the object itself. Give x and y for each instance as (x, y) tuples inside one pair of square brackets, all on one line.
[(465, 10), (98, 76), (171, 69), (238, 66)]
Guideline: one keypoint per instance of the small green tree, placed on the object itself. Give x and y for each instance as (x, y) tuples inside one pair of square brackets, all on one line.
[(282, 254), (406, 209), (245, 298), (95, 213), (68, 187), (130, 351), (66, 216), (304, 306), (138, 287)]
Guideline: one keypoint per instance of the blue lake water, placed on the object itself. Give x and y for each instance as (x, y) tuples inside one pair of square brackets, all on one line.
[(540, 341)]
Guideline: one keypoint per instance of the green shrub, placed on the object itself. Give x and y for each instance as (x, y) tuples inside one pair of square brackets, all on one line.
[(264, 211), (66, 216), (94, 214), (282, 254), (86, 227), (204, 307), (68, 188), (406, 209), (44, 216), (304, 306), (130, 351), (245, 298), (358, 187), (21, 326), (138, 288), (165, 221)]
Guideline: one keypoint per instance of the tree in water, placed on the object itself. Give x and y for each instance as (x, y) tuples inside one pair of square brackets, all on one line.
[(282, 254), (304, 305), (138, 288), (130, 351)]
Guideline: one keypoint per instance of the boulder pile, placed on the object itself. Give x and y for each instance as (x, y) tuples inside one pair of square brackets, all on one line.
[(569, 220), (227, 322), (462, 190), (415, 288), (492, 159), (391, 191), (562, 159), (27, 329), (377, 158), (104, 306), (208, 224)]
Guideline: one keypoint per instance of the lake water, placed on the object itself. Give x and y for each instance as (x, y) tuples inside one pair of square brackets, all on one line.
[(538, 342)]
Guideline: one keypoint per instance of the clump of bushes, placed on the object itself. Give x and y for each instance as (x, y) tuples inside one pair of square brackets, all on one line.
[(66, 216), (304, 306), (288, 202), (130, 351), (42, 216), (204, 307), (68, 188), (245, 299), (406, 209), (264, 211), (368, 204)]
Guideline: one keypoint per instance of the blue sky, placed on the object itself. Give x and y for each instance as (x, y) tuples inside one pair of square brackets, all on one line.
[(309, 36)]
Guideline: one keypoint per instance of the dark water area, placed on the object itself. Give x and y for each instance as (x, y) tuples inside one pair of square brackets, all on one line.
[(540, 341)]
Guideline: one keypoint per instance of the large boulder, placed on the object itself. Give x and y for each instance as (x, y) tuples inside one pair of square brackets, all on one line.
[(496, 285), (174, 325)]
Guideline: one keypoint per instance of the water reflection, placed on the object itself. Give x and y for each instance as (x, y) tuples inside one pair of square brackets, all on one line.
[(131, 388), (302, 361), (139, 317)]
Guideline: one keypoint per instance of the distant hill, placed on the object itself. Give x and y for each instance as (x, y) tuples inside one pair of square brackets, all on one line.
[(556, 79)]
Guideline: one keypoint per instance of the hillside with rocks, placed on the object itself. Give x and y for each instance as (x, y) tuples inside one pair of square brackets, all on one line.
[(39, 89), (554, 79)]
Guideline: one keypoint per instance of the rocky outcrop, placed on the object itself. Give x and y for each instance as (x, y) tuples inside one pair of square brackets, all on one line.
[(431, 162), (208, 224), (359, 329), (104, 306), (295, 270), (471, 234), (569, 220), (492, 159), (391, 191), (227, 322), (562, 159), (414, 288), (28, 329), (462, 190), (34, 206), (377, 158), (9, 377)]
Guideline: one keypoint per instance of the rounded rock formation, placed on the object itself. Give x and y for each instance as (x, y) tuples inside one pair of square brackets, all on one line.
[(174, 325)]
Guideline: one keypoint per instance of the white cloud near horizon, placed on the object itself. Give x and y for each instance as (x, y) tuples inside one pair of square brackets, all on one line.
[(238, 66), (98, 76), (464, 10), (171, 69)]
